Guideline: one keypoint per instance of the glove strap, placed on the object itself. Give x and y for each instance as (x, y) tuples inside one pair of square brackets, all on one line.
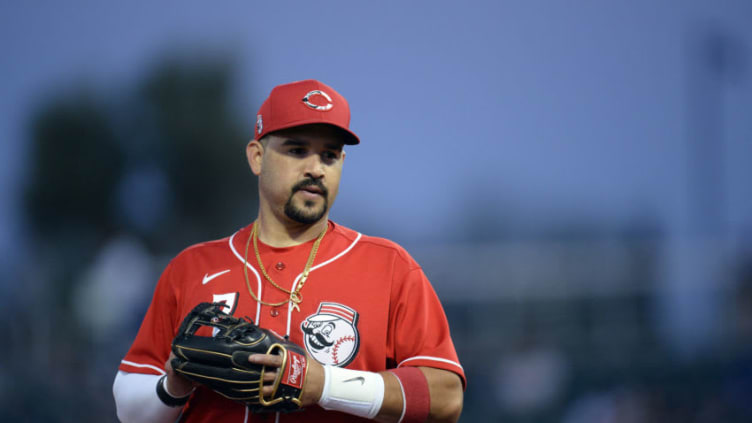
[(288, 386), (168, 399)]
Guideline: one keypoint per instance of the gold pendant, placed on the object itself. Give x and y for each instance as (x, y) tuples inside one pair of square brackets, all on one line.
[(295, 299)]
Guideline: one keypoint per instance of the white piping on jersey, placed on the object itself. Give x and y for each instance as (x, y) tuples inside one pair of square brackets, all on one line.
[(426, 357), (295, 283), (130, 363), (258, 278)]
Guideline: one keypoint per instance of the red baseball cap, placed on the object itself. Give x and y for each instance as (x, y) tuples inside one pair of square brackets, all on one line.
[(303, 103)]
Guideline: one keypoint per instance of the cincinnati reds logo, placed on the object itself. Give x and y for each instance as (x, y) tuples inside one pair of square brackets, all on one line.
[(307, 101), (331, 334)]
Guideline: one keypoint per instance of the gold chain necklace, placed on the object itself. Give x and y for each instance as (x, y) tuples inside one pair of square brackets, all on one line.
[(295, 296)]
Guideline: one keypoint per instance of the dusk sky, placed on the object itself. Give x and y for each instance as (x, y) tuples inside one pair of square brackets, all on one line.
[(534, 111)]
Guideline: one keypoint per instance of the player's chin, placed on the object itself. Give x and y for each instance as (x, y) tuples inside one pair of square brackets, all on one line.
[(307, 211)]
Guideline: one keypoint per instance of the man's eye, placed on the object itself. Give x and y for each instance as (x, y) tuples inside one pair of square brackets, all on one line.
[(297, 151), (330, 155)]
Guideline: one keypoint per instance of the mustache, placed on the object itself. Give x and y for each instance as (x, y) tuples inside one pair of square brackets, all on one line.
[(319, 337), (311, 182), (323, 340)]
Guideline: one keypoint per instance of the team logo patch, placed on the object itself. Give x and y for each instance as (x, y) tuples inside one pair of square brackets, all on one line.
[(259, 124), (331, 334), (309, 101)]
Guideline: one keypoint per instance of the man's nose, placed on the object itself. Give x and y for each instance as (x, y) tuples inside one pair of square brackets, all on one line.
[(314, 167)]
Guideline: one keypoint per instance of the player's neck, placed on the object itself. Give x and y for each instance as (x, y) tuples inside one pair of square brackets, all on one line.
[(277, 233)]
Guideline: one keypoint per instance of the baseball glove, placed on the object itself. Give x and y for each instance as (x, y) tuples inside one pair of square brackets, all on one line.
[(220, 362)]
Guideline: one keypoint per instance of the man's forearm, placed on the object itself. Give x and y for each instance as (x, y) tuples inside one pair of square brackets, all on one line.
[(445, 390), (136, 399)]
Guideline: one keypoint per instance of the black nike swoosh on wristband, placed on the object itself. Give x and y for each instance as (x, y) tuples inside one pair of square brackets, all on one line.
[(360, 378)]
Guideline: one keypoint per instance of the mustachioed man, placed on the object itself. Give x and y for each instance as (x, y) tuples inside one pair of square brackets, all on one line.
[(331, 334)]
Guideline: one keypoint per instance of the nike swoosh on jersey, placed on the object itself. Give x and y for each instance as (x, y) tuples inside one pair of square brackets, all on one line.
[(208, 278)]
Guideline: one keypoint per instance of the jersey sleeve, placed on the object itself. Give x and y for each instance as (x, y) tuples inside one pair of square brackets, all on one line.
[(151, 348), (418, 328)]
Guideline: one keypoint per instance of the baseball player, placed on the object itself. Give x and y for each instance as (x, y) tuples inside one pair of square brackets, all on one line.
[(375, 335)]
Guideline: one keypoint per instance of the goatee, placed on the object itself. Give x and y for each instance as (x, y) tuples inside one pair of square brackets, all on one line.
[(307, 215)]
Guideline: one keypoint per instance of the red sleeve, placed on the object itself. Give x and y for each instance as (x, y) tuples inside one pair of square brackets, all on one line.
[(418, 328), (151, 348)]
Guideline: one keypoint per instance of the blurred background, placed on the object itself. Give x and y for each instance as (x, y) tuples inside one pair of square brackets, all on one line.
[(574, 178)]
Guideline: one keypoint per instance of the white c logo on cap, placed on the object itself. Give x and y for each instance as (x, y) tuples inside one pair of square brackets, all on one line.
[(324, 108)]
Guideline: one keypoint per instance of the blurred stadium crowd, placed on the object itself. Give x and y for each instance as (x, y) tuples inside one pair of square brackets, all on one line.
[(565, 326)]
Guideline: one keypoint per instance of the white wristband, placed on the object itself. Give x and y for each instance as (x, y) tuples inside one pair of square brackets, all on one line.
[(352, 391)]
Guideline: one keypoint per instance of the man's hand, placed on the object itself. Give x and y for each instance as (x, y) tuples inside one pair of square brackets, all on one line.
[(177, 385), (314, 381)]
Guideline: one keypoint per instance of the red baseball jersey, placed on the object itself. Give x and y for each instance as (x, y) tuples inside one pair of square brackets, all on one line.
[(366, 306)]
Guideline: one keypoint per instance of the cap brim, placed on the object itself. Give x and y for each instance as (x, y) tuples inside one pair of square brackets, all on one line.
[(348, 137), (324, 318)]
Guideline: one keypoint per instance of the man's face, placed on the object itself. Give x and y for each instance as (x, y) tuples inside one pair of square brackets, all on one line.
[(319, 334), (300, 172)]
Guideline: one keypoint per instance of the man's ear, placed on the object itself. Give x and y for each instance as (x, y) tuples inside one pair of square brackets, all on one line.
[(254, 151)]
